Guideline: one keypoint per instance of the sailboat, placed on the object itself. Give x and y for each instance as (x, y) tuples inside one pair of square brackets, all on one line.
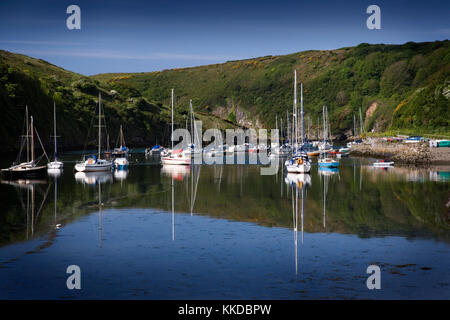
[(120, 154), (195, 146), (324, 161), (325, 146), (95, 163), (122, 151), (275, 146), (30, 168), (55, 164), (175, 157), (300, 162)]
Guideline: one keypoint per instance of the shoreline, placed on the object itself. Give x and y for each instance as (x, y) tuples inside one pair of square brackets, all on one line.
[(414, 153)]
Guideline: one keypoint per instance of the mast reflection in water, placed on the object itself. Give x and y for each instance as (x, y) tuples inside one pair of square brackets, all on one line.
[(234, 230)]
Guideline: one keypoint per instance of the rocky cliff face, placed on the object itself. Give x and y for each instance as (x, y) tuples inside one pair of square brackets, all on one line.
[(237, 115)]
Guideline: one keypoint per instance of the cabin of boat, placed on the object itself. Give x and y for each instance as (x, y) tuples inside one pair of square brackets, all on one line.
[(92, 164), (298, 164)]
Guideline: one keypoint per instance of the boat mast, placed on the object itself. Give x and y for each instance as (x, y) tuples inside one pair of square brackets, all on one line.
[(121, 137), (171, 138), (276, 123), (32, 140), (324, 125), (27, 134), (54, 128), (360, 121), (295, 111), (329, 128), (192, 125), (301, 113), (288, 129), (99, 124)]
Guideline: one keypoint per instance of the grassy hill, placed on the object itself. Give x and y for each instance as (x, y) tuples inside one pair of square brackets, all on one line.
[(37, 83), (399, 87)]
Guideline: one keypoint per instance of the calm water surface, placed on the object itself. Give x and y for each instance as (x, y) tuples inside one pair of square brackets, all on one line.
[(233, 234)]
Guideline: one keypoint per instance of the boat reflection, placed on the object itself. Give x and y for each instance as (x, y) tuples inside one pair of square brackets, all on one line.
[(54, 173), (411, 174), (325, 176), (120, 175), (193, 186), (93, 178), (324, 171), (298, 179), (28, 204), (298, 184), (24, 183), (177, 172)]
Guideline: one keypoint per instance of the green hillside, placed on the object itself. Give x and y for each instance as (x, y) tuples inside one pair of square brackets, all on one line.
[(405, 87), (37, 83)]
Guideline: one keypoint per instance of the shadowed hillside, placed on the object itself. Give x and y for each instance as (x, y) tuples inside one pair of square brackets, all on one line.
[(400, 87)]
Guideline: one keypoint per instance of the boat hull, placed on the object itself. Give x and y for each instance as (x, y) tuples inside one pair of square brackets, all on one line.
[(304, 167), (175, 161), (383, 164), (121, 163), (55, 165), (81, 167), (15, 173)]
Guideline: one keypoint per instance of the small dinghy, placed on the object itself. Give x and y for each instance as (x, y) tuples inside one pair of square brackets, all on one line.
[(328, 163), (383, 163)]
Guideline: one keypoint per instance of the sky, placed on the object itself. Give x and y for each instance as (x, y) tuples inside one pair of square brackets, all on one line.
[(143, 36)]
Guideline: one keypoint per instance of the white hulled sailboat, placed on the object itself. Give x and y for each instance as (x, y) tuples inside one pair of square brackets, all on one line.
[(55, 164), (300, 162), (121, 154), (175, 157), (94, 163)]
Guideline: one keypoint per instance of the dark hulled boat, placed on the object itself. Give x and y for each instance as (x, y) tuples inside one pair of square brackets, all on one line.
[(30, 168)]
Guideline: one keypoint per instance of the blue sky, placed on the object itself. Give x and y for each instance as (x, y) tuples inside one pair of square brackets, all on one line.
[(138, 36)]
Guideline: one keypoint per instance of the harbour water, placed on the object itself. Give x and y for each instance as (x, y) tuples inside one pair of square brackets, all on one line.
[(231, 234)]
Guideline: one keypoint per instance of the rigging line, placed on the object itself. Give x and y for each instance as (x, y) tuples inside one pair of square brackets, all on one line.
[(42, 146), (43, 201), (38, 159), (117, 141), (104, 120), (89, 132), (24, 126), (20, 152)]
